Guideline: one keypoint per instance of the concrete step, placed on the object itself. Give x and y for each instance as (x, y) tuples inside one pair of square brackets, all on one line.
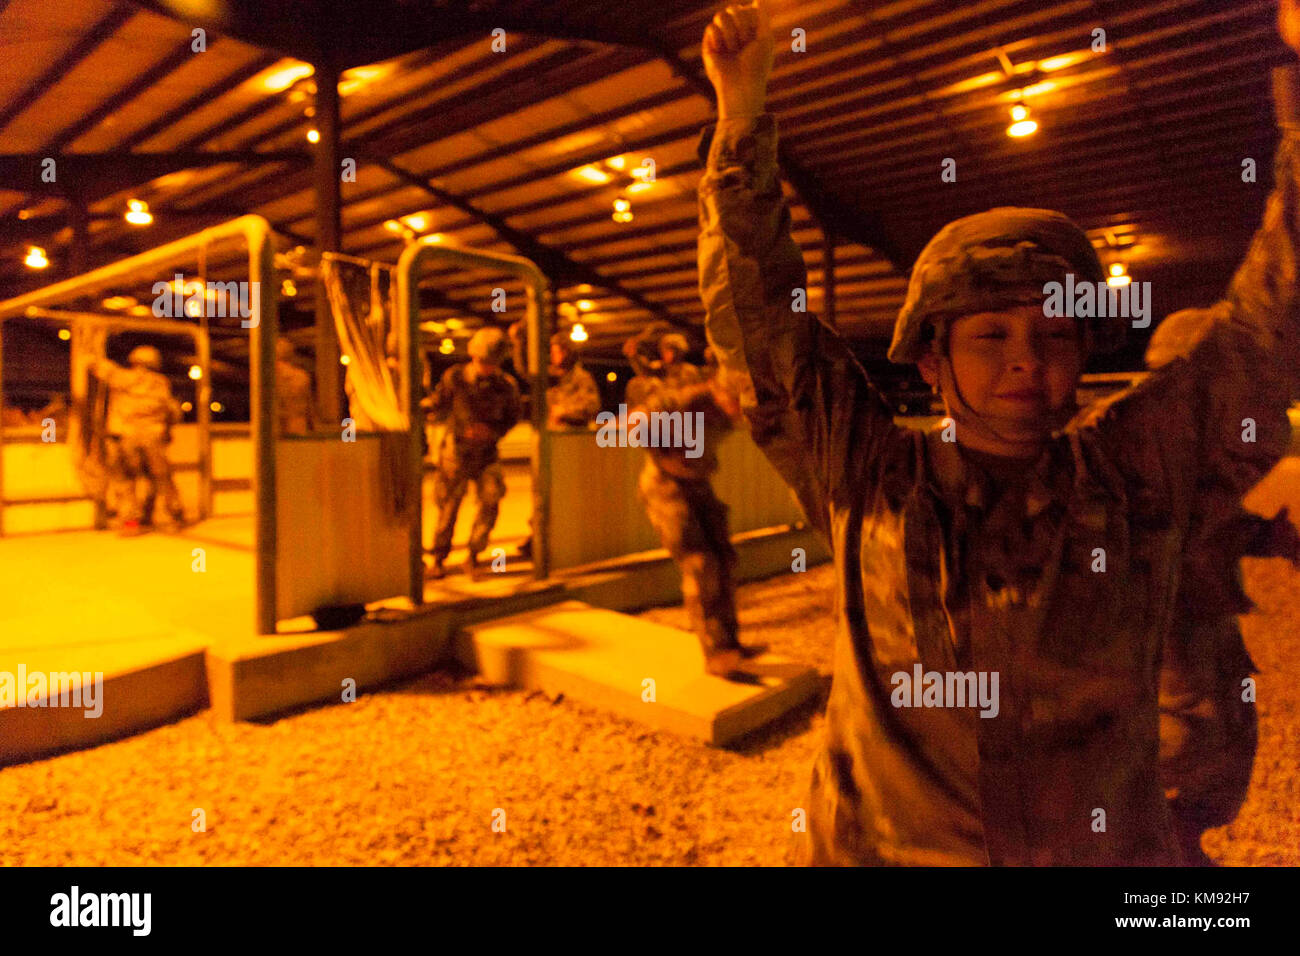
[(646, 672)]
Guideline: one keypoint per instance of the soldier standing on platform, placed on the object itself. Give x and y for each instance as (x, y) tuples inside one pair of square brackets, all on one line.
[(292, 391), (141, 411), (480, 404), (678, 496)]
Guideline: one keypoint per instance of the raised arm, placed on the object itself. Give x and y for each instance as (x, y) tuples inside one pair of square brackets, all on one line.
[(808, 401), (1211, 420)]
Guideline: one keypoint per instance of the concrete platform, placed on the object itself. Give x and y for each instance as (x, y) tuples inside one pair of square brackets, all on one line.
[(646, 672)]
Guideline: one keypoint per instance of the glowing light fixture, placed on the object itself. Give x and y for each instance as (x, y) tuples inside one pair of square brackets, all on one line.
[(623, 216), (1022, 125), (196, 373), (622, 205), (137, 213), (1118, 277), (313, 136), (65, 334), (611, 377), (217, 407), (36, 258), (417, 221), (187, 406), (447, 347), (455, 323), (288, 289), (638, 188), (616, 162), (140, 310), (593, 175), (392, 225), (578, 333), (345, 359), (287, 76), (433, 238), (118, 302), (586, 305)]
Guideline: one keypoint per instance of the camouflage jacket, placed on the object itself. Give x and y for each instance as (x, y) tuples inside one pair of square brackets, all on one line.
[(684, 388), (573, 400), (939, 568), (140, 401), (491, 400)]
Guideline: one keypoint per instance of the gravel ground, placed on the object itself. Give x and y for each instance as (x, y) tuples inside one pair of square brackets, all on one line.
[(413, 775)]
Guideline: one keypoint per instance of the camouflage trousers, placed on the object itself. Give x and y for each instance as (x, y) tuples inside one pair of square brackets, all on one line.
[(455, 472), (692, 523), (130, 457), (1208, 734)]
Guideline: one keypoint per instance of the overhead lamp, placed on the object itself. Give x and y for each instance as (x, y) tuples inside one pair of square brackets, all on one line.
[(287, 76), (586, 305), (345, 359), (140, 310), (217, 407), (593, 175), (616, 162), (392, 225), (611, 377), (417, 221), (638, 187), (313, 136), (36, 258), (196, 373), (622, 205), (447, 347), (623, 216), (1118, 277), (455, 323), (1022, 125), (118, 302), (578, 333), (433, 238), (65, 334), (187, 406), (288, 289), (137, 213)]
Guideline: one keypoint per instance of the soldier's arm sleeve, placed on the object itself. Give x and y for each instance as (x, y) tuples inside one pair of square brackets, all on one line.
[(107, 371), (441, 402), (1213, 419), (808, 401)]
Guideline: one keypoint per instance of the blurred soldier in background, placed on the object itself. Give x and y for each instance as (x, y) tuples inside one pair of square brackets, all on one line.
[(141, 411), (572, 399), (480, 404), (293, 404), (678, 496), (1208, 733)]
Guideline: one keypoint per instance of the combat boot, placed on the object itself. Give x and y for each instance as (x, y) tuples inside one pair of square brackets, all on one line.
[(131, 529), (472, 566), (436, 571)]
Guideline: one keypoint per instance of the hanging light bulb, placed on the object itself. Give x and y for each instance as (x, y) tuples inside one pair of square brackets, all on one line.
[(447, 347), (313, 136), (1118, 276), (611, 377), (1022, 125), (345, 359), (196, 373), (36, 258), (578, 333), (137, 213), (65, 334), (288, 289)]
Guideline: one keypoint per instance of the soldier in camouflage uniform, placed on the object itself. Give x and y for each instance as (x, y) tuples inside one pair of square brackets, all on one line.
[(141, 411), (480, 404), (292, 391), (572, 398), (1208, 733), (1043, 545), (678, 496)]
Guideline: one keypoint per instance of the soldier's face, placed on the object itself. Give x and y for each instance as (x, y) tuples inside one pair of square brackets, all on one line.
[(1015, 368), (482, 367)]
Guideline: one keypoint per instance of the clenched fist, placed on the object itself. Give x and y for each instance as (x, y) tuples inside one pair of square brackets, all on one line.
[(738, 59)]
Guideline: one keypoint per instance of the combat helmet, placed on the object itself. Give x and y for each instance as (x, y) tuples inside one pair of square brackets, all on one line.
[(991, 261), (145, 356), (489, 345)]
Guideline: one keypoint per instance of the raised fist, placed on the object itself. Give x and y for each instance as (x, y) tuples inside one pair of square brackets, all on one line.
[(738, 59)]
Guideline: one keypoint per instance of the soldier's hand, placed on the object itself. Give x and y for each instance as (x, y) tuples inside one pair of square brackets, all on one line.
[(1288, 23), (738, 52)]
